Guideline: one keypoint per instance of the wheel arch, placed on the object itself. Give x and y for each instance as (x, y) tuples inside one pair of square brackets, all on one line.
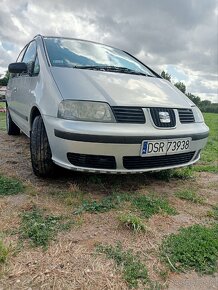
[(33, 114)]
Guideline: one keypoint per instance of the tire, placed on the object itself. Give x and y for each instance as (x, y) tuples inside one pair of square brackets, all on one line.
[(12, 128), (41, 156)]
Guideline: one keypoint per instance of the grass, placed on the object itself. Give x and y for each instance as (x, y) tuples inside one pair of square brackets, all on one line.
[(134, 271), (209, 156), (2, 121), (132, 222), (213, 213), (150, 205), (147, 205), (190, 195), (167, 175), (105, 204), (9, 186), (96, 206), (3, 252), (193, 248), (206, 168), (211, 150), (2, 105), (40, 229)]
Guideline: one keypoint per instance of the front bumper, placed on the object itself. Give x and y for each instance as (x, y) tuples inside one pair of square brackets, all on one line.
[(117, 140)]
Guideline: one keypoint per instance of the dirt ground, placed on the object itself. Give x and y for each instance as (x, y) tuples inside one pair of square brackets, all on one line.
[(70, 261)]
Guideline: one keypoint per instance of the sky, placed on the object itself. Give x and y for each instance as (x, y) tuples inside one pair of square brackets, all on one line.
[(178, 36)]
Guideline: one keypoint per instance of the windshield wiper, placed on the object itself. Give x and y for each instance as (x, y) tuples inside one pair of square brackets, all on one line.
[(112, 69)]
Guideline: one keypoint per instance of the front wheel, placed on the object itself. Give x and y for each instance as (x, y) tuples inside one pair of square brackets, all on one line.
[(12, 128), (40, 150)]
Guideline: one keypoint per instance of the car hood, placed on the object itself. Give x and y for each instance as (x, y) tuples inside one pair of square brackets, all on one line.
[(118, 89)]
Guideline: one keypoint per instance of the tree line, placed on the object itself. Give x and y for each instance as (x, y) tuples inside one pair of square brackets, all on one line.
[(4, 80), (204, 106)]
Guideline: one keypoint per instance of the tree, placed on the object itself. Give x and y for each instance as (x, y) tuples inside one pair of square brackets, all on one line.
[(166, 76), (181, 86), (4, 80), (205, 103), (195, 99)]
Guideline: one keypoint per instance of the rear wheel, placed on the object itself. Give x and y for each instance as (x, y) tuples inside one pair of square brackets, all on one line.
[(40, 150), (12, 128)]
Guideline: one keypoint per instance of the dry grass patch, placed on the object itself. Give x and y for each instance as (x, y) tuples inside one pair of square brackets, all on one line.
[(134, 271)]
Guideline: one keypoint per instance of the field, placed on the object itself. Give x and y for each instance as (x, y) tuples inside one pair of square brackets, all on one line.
[(89, 231)]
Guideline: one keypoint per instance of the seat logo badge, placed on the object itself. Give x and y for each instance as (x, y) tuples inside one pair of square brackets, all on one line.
[(164, 117)]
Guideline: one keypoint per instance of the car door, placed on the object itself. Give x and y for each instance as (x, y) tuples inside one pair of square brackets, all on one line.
[(13, 93), (25, 95)]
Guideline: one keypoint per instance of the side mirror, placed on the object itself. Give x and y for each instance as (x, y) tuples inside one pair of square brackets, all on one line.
[(17, 67)]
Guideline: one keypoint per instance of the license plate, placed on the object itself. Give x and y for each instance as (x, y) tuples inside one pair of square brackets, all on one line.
[(165, 146)]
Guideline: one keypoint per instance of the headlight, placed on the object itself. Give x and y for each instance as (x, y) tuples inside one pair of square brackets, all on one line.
[(198, 115), (85, 111)]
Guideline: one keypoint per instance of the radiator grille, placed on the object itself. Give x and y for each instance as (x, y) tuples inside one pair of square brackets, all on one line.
[(156, 117), (138, 162), (186, 116), (129, 115), (92, 161)]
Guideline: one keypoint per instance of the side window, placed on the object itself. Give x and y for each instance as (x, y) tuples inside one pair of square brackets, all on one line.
[(20, 56), (29, 56), (36, 67)]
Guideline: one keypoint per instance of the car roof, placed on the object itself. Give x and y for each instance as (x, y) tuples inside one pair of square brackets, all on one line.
[(79, 39)]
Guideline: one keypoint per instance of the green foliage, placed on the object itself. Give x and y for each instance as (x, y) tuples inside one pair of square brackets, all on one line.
[(209, 108), (206, 168), (132, 267), (209, 156), (150, 205), (167, 175), (190, 195), (103, 205), (213, 213), (181, 86), (41, 229), (166, 76), (210, 153), (3, 252), (205, 105), (2, 122), (2, 105), (10, 186), (193, 248), (132, 222), (195, 99), (4, 80)]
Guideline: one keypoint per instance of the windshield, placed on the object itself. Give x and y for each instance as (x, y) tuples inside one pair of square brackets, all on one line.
[(64, 52)]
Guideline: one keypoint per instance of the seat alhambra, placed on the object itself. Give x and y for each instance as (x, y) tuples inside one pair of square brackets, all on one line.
[(92, 107)]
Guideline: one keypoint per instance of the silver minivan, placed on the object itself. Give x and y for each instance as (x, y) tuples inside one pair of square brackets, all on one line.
[(91, 107)]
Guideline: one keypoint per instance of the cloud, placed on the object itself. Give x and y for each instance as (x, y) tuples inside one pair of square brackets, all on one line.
[(179, 34)]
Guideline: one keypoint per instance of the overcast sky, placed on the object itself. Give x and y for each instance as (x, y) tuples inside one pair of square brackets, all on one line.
[(179, 36)]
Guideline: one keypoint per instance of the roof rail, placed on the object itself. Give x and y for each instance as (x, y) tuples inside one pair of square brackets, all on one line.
[(37, 35)]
